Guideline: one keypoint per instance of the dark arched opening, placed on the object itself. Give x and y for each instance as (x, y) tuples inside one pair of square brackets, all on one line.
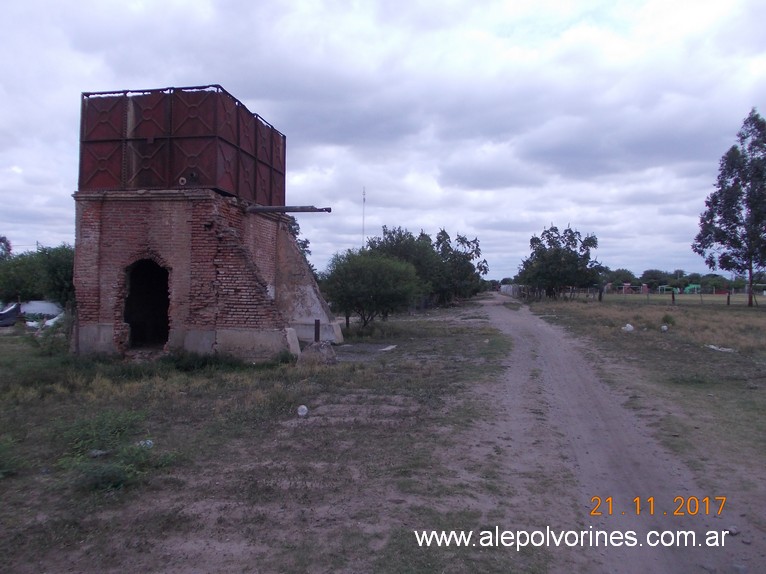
[(146, 306)]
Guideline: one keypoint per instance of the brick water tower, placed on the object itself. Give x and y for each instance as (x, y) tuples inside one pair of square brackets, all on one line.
[(182, 240)]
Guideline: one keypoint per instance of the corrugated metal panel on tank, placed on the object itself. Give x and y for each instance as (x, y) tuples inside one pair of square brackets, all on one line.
[(175, 138)]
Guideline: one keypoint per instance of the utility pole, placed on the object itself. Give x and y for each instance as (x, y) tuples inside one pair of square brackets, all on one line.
[(364, 203)]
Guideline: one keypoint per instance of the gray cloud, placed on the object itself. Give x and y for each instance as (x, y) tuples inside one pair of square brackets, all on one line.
[(492, 119)]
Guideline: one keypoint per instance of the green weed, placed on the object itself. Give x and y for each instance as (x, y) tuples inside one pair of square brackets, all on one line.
[(103, 452)]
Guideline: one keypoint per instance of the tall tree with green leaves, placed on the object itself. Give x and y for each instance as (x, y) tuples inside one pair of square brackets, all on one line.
[(21, 277), (560, 259), (369, 284), (448, 268), (463, 266), (653, 278), (57, 276), (620, 276), (404, 245), (43, 274), (732, 233)]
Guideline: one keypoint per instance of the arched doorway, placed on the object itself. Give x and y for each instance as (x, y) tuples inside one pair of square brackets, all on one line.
[(146, 306)]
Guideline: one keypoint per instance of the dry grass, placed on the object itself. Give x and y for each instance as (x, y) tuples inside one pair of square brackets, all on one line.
[(234, 471), (707, 405), (736, 300), (739, 328)]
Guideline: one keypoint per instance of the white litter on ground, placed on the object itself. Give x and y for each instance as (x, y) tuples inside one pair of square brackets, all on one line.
[(721, 349)]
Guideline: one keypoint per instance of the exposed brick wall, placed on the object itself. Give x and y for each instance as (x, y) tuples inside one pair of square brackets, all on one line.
[(88, 224), (238, 278), (264, 252), (202, 295), (220, 260)]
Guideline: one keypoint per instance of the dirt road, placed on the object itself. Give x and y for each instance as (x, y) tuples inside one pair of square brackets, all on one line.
[(572, 439)]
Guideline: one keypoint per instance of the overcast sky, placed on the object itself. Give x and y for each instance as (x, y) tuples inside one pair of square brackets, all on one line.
[(490, 119)]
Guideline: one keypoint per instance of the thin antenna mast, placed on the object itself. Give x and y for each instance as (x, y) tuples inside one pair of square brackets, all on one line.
[(364, 203)]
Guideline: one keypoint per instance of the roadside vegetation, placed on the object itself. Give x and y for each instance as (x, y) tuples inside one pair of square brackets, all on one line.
[(397, 271)]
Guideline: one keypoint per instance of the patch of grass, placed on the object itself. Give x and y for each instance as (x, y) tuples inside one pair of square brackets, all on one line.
[(675, 435), (102, 453), (466, 413), (94, 475), (690, 379), (186, 362), (495, 346), (11, 461), (383, 331), (474, 317), (57, 532), (23, 365), (106, 431)]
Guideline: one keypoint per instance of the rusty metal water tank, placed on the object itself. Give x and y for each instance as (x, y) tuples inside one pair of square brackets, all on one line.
[(180, 138)]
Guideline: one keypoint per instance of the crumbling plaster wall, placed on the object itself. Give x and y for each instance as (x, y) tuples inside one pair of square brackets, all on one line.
[(298, 294)]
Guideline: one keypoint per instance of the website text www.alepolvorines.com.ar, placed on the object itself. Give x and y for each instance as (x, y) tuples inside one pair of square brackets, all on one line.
[(552, 538)]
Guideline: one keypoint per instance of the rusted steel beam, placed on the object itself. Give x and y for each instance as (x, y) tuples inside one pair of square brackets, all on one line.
[(287, 209)]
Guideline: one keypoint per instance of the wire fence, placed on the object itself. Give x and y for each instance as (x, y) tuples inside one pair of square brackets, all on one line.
[(737, 298)]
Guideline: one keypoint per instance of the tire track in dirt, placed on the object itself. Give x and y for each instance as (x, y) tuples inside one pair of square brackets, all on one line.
[(575, 438)]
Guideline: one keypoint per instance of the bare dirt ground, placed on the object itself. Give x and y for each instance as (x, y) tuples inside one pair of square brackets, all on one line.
[(341, 490), (573, 439)]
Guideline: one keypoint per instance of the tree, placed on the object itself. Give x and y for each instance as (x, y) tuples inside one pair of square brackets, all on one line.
[(295, 230), (43, 274), (5, 248), (446, 269), (559, 260), (655, 277), (57, 276), (302, 243), (711, 282), (462, 277), (619, 277), (403, 245), (369, 284), (732, 233), (21, 278)]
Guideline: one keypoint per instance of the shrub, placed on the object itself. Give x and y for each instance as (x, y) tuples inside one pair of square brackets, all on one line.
[(121, 461), (668, 319), (106, 431)]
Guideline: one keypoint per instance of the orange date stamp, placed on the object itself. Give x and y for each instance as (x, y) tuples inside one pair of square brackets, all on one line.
[(681, 506)]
